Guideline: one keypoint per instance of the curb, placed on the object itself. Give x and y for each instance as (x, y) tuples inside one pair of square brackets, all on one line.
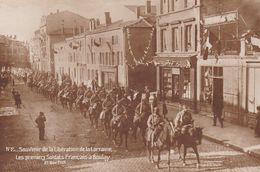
[(232, 146)]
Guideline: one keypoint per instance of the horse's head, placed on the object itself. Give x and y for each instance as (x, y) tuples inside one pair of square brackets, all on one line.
[(197, 134)]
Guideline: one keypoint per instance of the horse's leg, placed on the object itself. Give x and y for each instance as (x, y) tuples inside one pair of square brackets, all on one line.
[(134, 131), (149, 151), (184, 155), (158, 159), (197, 155), (143, 130), (179, 151), (120, 138), (126, 137), (169, 158)]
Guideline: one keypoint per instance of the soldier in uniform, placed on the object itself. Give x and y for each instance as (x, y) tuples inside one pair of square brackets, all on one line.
[(88, 94), (142, 110), (107, 105), (118, 111), (183, 120), (154, 124), (147, 92)]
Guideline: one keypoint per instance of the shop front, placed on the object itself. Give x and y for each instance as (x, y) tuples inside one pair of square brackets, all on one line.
[(176, 80)]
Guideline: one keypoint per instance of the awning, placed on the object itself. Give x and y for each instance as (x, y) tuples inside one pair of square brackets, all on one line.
[(183, 61)]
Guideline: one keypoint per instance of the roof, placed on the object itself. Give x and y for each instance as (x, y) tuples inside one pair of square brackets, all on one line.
[(142, 9), (120, 24), (65, 19)]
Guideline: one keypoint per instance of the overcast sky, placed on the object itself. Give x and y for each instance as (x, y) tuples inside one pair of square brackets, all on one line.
[(22, 17)]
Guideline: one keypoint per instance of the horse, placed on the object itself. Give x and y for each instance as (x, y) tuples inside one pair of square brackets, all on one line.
[(162, 142), (190, 139), (121, 128), (94, 112), (105, 118), (140, 121)]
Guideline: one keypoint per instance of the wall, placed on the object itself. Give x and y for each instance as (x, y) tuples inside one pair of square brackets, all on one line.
[(99, 55), (179, 19)]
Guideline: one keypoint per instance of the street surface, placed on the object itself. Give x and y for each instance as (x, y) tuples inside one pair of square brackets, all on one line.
[(65, 129)]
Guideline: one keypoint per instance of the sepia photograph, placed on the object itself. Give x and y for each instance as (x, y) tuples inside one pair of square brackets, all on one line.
[(129, 85)]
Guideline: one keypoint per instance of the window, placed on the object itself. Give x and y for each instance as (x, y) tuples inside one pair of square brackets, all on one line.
[(185, 3), (106, 63), (118, 58), (88, 74), (172, 5), (188, 38), (122, 58), (114, 40), (100, 58), (113, 58), (163, 40), (175, 39), (81, 29)]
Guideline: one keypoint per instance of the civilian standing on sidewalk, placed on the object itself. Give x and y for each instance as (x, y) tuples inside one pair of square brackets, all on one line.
[(257, 127), (40, 121), (17, 99), (217, 108)]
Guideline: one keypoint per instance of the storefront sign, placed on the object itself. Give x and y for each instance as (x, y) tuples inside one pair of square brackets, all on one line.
[(176, 71), (224, 18)]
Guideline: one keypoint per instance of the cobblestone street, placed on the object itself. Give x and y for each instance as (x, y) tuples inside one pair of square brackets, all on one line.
[(65, 129)]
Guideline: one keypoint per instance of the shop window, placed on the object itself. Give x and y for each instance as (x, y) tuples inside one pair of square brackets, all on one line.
[(167, 83), (175, 39), (186, 91)]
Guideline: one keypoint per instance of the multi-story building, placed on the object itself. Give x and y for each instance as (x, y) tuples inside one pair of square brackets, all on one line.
[(55, 28), (35, 52), (228, 70), (13, 53), (114, 53), (69, 57), (178, 33), (206, 51)]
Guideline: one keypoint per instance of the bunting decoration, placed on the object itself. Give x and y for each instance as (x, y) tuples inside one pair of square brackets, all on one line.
[(142, 60)]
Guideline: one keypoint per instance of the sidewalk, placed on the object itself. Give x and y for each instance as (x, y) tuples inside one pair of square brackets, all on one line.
[(237, 137)]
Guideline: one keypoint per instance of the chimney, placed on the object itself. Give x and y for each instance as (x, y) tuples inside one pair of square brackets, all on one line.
[(107, 18), (148, 7), (137, 12)]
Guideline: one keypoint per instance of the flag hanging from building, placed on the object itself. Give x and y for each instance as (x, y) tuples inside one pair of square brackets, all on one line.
[(210, 42)]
